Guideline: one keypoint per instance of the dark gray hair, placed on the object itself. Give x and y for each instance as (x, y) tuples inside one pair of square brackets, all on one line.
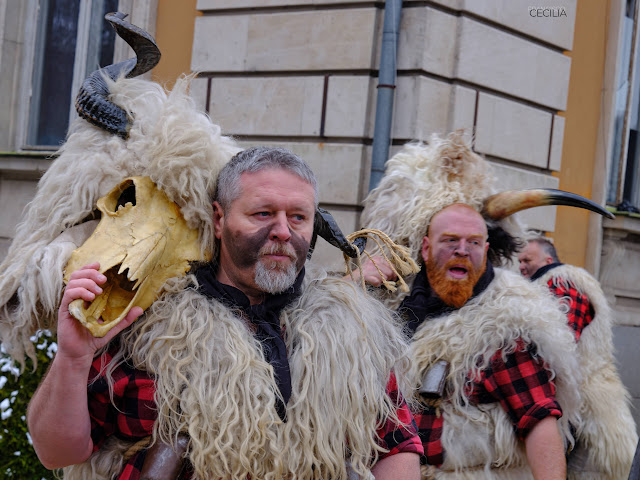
[(255, 159), (547, 247)]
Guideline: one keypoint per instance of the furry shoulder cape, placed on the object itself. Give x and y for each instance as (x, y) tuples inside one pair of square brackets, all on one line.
[(608, 437), (214, 383), (478, 440)]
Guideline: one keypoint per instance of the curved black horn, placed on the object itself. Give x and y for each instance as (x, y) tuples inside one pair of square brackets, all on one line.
[(503, 204), (326, 227), (92, 102)]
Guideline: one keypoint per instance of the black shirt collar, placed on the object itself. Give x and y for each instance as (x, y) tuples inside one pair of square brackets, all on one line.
[(264, 316), (542, 270)]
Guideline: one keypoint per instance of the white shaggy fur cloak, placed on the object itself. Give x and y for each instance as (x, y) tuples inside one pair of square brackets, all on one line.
[(608, 439), (172, 142), (214, 383), (479, 440)]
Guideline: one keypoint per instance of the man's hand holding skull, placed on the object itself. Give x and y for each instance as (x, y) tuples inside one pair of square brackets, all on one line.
[(74, 340)]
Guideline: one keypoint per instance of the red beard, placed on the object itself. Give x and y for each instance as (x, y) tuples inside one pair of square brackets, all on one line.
[(454, 293)]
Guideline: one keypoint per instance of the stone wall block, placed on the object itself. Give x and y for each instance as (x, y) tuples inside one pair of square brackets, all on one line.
[(512, 131), (463, 108), (463, 48), (627, 354), (503, 62), (547, 20), (267, 105), (421, 107), (618, 272), (220, 43), (557, 138), (291, 41), (348, 103), (14, 197), (227, 4), (338, 167), (424, 106), (198, 92), (427, 41)]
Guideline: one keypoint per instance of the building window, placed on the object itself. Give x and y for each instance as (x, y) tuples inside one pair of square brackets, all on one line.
[(72, 40), (624, 173)]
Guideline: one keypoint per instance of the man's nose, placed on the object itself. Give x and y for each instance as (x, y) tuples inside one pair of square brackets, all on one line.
[(462, 249), (280, 229)]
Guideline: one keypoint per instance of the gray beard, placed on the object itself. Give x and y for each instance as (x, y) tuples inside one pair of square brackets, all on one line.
[(274, 280)]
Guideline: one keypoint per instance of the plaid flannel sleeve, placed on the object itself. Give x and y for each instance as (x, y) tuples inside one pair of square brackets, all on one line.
[(132, 412), (580, 312), (430, 425), (523, 386), (401, 437)]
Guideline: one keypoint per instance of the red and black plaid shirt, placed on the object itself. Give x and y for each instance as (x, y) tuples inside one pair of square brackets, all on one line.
[(133, 412), (399, 438), (519, 382), (131, 415), (580, 312)]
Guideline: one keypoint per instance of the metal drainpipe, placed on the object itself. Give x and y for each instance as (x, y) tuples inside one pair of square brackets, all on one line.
[(386, 90)]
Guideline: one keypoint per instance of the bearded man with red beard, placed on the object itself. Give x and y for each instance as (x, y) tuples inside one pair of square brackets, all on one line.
[(513, 378), (493, 361), (455, 255)]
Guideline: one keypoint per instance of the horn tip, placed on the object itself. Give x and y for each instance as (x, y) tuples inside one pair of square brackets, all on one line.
[(116, 15)]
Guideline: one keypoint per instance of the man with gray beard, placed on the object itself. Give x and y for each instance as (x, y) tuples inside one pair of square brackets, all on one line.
[(272, 244), (263, 215), (262, 366)]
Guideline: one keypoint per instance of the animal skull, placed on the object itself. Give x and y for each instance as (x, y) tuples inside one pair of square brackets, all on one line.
[(142, 240)]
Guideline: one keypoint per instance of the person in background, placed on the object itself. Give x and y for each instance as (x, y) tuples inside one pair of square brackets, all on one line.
[(607, 440)]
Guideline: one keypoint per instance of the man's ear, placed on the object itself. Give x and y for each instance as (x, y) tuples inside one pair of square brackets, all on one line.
[(424, 251), (218, 219), (548, 260)]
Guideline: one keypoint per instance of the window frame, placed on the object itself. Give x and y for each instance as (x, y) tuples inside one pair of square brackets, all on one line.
[(623, 185), (142, 13)]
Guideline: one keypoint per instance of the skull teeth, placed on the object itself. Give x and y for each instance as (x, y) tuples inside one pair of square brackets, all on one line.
[(123, 280)]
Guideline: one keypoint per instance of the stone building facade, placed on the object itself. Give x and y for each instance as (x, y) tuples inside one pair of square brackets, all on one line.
[(536, 86), (306, 77)]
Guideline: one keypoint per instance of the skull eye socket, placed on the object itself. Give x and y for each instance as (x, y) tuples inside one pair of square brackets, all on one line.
[(124, 194), (127, 196)]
